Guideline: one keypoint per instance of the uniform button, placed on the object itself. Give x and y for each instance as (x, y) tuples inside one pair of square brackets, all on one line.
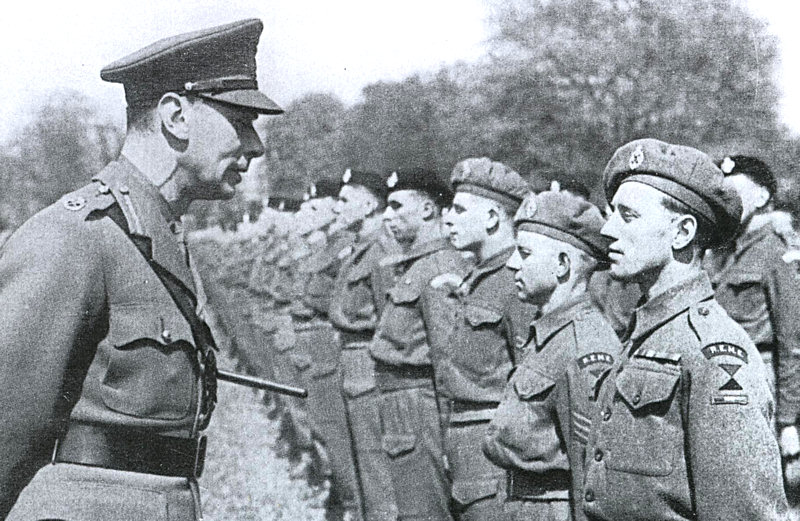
[(166, 335), (637, 398), (589, 496), (598, 455), (407, 281), (607, 414), (124, 189), (703, 311)]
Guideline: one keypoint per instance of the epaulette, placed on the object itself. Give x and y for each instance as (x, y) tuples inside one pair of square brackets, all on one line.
[(108, 183), (87, 199), (708, 322)]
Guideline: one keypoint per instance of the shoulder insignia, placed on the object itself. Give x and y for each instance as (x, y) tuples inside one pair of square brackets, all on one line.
[(74, 203), (595, 358), (661, 356), (724, 348)]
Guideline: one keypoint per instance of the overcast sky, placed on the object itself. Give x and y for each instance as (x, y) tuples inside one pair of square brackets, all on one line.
[(307, 46)]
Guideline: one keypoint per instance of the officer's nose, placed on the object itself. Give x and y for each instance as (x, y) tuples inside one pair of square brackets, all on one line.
[(252, 146), (515, 261)]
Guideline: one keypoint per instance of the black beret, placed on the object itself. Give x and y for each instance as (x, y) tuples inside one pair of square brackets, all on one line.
[(492, 179), (372, 181), (683, 173), (422, 180), (326, 187), (752, 167), (217, 63), (566, 218)]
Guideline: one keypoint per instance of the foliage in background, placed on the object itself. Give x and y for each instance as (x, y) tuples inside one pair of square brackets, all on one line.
[(562, 85)]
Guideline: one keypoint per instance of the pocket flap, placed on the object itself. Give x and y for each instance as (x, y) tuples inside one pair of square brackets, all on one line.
[(528, 384), (404, 292), (127, 324), (478, 316), (641, 387), (467, 492), (301, 362), (398, 444)]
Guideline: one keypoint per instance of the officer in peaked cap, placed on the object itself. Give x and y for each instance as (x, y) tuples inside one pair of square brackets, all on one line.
[(761, 291), (683, 427), (109, 366)]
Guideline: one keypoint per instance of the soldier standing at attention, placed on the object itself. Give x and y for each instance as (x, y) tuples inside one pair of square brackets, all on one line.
[(108, 371), (761, 292), (470, 325), (539, 432), (409, 414), (683, 428), (354, 311)]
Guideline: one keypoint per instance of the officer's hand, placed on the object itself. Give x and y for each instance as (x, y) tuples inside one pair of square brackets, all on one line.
[(789, 442), (447, 281)]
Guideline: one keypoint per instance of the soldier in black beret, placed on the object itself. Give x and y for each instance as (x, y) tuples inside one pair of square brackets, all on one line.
[(108, 366), (683, 427), (757, 285), (409, 415)]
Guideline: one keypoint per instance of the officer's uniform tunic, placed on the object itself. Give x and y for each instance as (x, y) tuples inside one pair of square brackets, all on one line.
[(354, 311), (472, 352), (94, 346), (410, 421), (761, 293), (541, 428), (683, 430)]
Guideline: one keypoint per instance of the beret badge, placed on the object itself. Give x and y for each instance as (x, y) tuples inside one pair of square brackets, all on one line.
[(347, 175), (727, 165), (392, 181), (636, 159)]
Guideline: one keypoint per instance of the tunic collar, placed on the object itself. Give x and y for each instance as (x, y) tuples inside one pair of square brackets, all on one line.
[(675, 300), (548, 325)]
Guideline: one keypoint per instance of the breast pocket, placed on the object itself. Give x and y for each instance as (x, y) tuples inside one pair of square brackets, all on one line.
[(648, 426), (151, 370), (483, 348)]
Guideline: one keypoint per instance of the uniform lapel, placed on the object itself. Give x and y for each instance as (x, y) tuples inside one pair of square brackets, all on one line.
[(149, 219)]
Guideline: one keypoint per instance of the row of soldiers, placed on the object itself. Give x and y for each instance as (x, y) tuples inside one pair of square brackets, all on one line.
[(474, 350)]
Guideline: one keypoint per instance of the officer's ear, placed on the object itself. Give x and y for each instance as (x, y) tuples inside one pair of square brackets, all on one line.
[(685, 231), (173, 112)]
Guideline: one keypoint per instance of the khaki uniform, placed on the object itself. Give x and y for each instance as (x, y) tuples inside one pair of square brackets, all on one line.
[(761, 293), (354, 311), (97, 354), (683, 427), (317, 337), (411, 432), (541, 428), (472, 337)]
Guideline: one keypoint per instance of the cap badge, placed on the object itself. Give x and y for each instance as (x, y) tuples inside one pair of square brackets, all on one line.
[(74, 203), (637, 158), (347, 175), (392, 181), (727, 165), (312, 191)]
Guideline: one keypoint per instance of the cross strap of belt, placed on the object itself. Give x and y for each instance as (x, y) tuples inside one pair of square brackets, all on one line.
[(203, 339)]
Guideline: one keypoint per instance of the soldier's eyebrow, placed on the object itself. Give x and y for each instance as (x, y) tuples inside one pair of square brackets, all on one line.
[(624, 208)]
